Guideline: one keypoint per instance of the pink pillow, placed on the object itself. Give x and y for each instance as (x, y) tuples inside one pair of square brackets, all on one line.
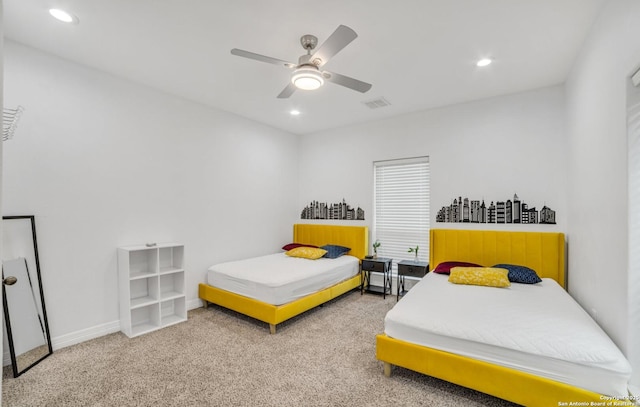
[(446, 266), (290, 246)]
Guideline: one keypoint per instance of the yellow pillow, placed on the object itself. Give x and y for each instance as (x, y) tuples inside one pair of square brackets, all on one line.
[(310, 253), (487, 276)]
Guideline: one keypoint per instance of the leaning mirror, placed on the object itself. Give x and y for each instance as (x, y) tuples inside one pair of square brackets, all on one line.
[(26, 328)]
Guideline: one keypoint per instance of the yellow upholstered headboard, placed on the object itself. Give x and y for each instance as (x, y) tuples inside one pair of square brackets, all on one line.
[(541, 251), (355, 237)]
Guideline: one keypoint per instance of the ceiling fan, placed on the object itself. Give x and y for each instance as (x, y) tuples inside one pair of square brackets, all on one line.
[(306, 73)]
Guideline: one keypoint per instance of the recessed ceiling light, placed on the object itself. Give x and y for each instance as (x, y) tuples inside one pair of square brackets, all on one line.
[(484, 62), (63, 16), (294, 112)]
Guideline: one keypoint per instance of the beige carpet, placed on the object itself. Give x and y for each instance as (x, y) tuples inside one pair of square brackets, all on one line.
[(325, 357)]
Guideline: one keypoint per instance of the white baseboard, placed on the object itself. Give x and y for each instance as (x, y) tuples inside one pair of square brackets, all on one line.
[(90, 333), (193, 304), (6, 357), (73, 338), (101, 330), (84, 335)]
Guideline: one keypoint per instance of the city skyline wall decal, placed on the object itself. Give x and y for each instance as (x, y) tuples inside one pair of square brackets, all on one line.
[(334, 211), (509, 211)]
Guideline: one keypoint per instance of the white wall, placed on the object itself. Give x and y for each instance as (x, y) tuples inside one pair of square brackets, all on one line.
[(1, 164), (102, 163), (633, 113), (488, 149), (597, 130)]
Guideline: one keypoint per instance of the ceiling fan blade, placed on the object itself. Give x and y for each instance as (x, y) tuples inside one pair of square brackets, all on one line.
[(340, 38), (346, 81), (287, 91), (262, 58)]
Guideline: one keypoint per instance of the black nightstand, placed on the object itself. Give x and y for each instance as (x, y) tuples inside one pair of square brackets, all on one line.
[(409, 268), (377, 265)]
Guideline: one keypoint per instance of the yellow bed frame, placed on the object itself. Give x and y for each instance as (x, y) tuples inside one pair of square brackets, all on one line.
[(543, 252), (355, 237)]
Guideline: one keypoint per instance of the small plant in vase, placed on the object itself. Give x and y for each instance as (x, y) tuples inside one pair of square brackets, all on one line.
[(414, 250), (375, 249)]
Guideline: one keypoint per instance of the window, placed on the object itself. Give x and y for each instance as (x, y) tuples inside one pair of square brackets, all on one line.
[(401, 208)]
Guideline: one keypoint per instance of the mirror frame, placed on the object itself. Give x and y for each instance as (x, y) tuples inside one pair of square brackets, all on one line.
[(7, 318)]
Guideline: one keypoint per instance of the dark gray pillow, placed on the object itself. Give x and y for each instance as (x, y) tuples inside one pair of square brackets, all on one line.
[(334, 251), (520, 274)]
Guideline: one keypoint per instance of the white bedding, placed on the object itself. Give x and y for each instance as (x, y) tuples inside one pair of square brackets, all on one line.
[(535, 328), (278, 279)]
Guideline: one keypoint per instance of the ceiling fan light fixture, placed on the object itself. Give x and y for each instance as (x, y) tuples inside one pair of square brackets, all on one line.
[(307, 78)]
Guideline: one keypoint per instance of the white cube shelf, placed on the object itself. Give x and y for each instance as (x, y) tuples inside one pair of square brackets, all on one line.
[(144, 319), (171, 311), (172, 285), (143, 291), (152, 287), (170, 258)]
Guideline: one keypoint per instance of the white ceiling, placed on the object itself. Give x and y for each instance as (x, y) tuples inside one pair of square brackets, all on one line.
[(418, 54)]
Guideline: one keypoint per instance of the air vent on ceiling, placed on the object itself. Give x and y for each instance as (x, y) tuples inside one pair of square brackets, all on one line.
[(377, 103)]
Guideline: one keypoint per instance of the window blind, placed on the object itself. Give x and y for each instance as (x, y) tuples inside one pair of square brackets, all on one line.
[(401, 208)]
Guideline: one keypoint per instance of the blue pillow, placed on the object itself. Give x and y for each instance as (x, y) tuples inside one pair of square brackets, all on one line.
[(520, 274), (334, 251)]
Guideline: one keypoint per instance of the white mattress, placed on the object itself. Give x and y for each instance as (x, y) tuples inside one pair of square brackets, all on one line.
[(535, 328), (278, 279)]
